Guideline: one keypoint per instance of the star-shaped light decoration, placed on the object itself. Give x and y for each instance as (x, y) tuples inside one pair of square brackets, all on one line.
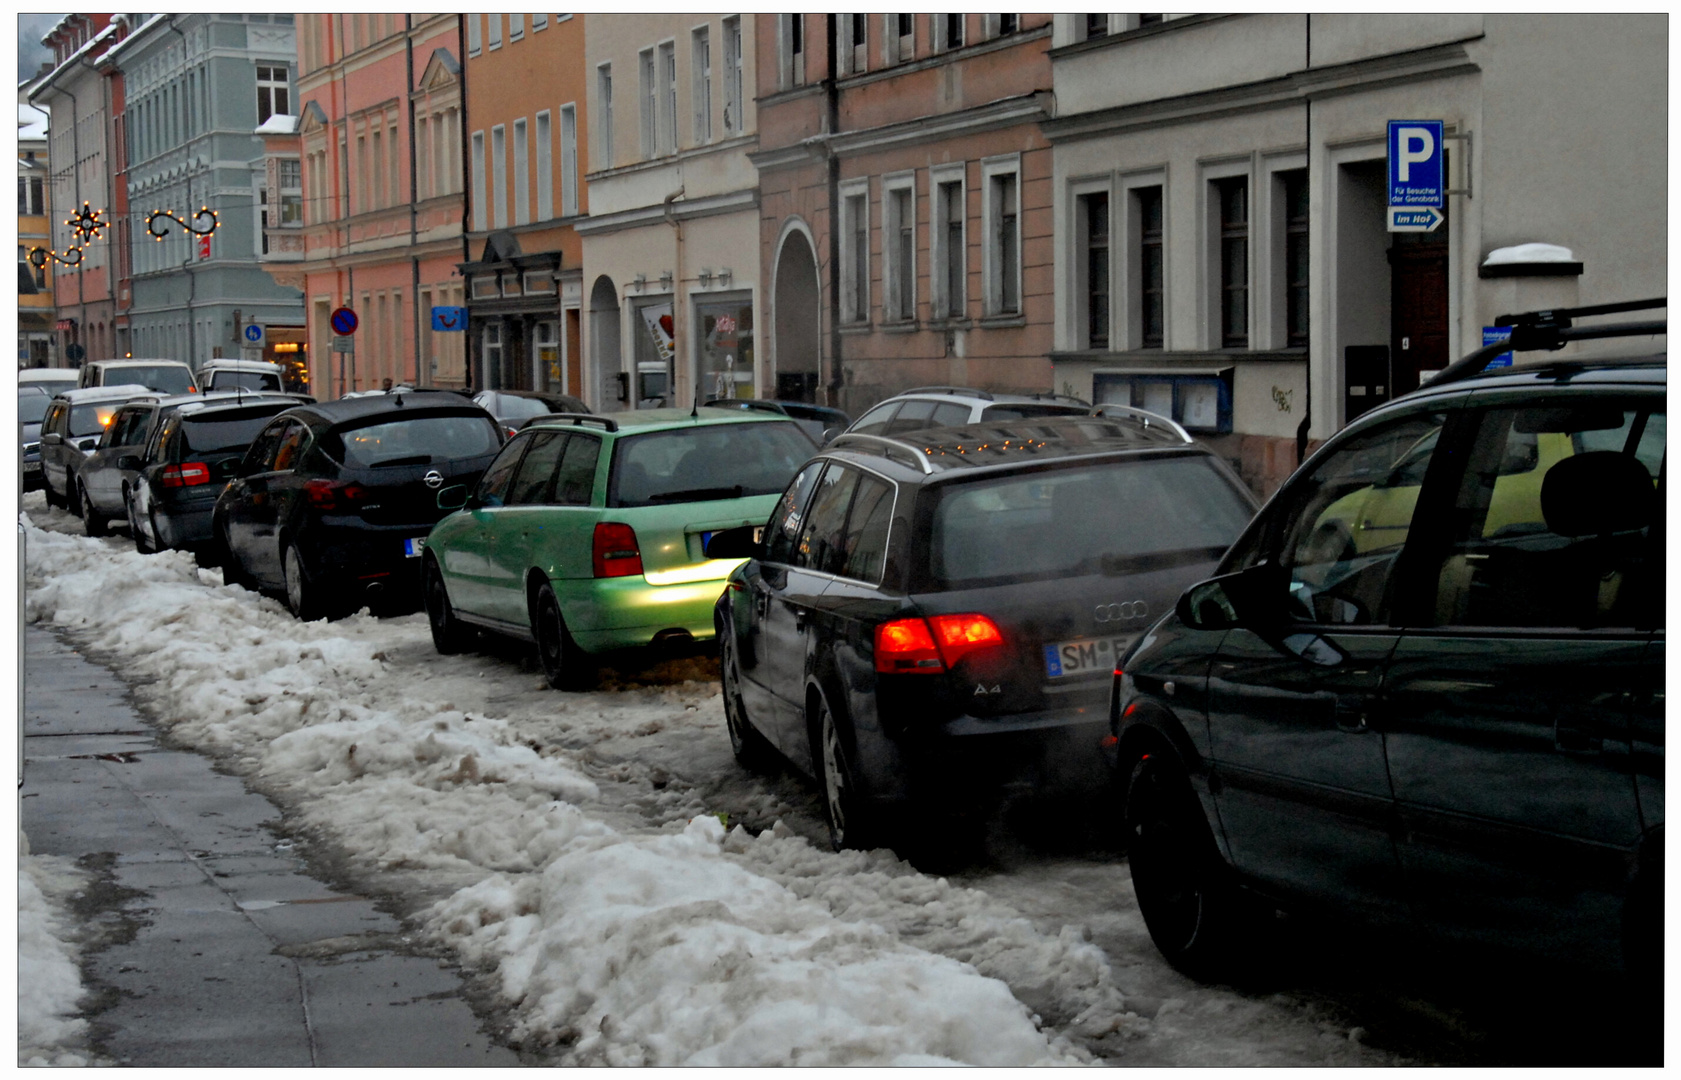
[(87, 225)]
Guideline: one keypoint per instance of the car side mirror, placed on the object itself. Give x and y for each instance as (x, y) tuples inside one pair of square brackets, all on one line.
[(129, 462), (1253, 598), (742, 542), (52, 438), (830, 434), (453, 497)]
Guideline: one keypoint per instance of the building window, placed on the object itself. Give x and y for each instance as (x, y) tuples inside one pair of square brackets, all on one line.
[(262, 217), (1096, 26), (1008, 24), (539, 22), (474, 30), (291, 192), (856, 49), (1233, 196), (793, 49), (376, 184), (499, 175), (495, 36), (1003, 242), (492, 343), (604, 96), (899, 248), (516, 27), (950, 263), (1295, 258), (1151, 309), (568, 160), (522, 172), (31, 196), (701, 66), (1094, 267), (649, 101), (901, 37), (272, 95), (668, 97), (733, 120), (950, 31), (1149, 20), (478, 182), (545, 174), (855, 254)]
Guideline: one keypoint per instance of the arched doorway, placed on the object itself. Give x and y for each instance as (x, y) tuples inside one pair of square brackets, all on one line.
[(798, 316), (605, 358)]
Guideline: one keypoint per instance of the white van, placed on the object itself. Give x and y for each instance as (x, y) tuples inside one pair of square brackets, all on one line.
[(239, 375), (163, 376)]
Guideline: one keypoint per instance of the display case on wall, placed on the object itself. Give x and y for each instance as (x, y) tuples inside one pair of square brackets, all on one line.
[(1199, 400)]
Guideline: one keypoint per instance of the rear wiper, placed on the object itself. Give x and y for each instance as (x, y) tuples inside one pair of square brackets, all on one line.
[(696, 494), (1121, 565), (413, 459)]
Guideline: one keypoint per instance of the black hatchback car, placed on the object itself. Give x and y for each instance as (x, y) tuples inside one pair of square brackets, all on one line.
[(1426, 688), (924, 620), (332, 503)]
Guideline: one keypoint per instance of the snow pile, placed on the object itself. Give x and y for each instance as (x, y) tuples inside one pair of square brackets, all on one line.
[(49, 980), (644, 946)]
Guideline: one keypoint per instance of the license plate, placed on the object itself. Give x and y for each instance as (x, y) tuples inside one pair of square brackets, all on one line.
[(1067, 658), (413, 546)]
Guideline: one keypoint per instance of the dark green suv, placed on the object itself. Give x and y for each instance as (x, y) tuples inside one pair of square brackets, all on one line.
[(1426, 687)]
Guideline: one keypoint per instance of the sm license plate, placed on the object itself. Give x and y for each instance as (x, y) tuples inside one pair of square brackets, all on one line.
[(1067, 658), (413, 546)]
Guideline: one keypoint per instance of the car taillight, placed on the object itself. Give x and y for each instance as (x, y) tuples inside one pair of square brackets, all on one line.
[(959, 635), (329, 496), (616, 553), (512, 431), (904, 646), (186, 474)]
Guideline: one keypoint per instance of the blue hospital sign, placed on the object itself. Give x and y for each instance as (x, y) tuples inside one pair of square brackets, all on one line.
[(449, 318), (1415, 163)]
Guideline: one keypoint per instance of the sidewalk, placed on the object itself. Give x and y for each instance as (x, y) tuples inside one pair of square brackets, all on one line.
[(237, 956)]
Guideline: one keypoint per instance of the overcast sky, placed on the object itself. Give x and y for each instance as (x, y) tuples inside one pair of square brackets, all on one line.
[(30, 50)]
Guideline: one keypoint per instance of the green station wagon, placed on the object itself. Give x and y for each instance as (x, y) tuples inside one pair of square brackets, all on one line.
[(587, 533)]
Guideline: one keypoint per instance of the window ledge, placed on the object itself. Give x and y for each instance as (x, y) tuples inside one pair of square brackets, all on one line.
[(900, 326), (994, 322), (856, 328), (949, 323)]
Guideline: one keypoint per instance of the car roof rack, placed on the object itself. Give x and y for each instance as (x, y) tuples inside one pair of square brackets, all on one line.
[(1061, 397), (889, 448), (965, 391), (1144, 418), (742, 403), (577, 419), (1551, 329)]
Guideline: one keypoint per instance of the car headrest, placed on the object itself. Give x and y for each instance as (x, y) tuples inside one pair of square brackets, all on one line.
[(1598, 492)]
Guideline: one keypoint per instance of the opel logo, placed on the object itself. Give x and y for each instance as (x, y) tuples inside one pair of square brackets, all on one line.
[(434, 479), (1132, 609)]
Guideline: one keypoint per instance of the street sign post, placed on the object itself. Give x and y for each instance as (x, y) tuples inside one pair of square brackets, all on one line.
[(252, 336), (344, 321), (1417, 179)]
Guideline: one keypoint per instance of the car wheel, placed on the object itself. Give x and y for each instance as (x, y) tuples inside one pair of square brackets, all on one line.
[(93, 522), (565, 665), (750, 748), (449, 636), (300, 591), (1182, 884), (849, 822), (141, 543)]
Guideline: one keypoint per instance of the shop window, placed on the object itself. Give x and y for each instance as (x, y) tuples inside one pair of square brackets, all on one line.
[(726, 362)]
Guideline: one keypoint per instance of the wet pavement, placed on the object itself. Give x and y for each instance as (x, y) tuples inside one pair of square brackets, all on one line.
[(210, 944)]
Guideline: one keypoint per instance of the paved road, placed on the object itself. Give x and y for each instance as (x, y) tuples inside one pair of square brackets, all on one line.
[(221, 949)]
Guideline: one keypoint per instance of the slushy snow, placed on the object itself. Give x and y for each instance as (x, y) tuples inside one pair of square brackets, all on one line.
[(49, 978)]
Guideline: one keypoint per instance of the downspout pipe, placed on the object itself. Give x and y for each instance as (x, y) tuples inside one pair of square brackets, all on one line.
[(1305, 427), (187, 263), (831, 124), (422, 373), (677, 297), (466, 195)]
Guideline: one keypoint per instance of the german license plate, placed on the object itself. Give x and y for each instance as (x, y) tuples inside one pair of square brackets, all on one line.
[(413, 546), (1083, 657)]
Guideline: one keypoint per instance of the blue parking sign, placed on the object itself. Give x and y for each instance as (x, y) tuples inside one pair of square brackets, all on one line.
[(1415, 163), (449, 318)]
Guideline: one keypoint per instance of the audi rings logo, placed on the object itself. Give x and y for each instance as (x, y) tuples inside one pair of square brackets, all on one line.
[(1132, 609), (434, 479)]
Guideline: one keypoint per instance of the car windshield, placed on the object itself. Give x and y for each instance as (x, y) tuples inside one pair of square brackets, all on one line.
[(164, 378), (715, 461), (32, 407), (88, 420), (245, 380), (222, 432), (419, 440), (1109, 517)]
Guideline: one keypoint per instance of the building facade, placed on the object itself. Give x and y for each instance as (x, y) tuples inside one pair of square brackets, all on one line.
[(906, 202), (528, 151), (1220, 205), (364, 201), (194, 88), (37, 310), (671, 244)]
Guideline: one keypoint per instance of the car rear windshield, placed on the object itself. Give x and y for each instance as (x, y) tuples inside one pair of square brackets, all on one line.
[(1022, 412), (224, 432), (1110, 517), (518, 408), (245, 380), (165, 378), (709, 461), (381, 442), (32, 407)]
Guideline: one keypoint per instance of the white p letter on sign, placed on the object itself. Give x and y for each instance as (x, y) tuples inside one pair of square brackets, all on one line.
[(1409, 138)]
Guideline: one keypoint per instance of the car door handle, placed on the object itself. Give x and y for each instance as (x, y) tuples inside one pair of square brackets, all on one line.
[(1353, 715), (800, 615)]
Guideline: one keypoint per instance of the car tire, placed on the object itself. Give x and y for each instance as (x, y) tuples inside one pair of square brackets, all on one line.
[(449, 635), (1182, 884), (752, 751), (565, 665), (301, 593), (93, 523), (141, 543), (850, 823)]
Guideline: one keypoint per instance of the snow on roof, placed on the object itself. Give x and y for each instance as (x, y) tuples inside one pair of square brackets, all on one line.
[(89, 46), (1529, 253), (32, 122), (134, 36), (278, 124)]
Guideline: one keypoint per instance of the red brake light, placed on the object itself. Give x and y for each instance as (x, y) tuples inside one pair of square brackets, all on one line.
[(330, 496), (905, 645), (616, 553), (186, 474), (959, 635)]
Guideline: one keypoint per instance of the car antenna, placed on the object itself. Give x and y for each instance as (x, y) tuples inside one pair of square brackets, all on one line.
[(694, 413)]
